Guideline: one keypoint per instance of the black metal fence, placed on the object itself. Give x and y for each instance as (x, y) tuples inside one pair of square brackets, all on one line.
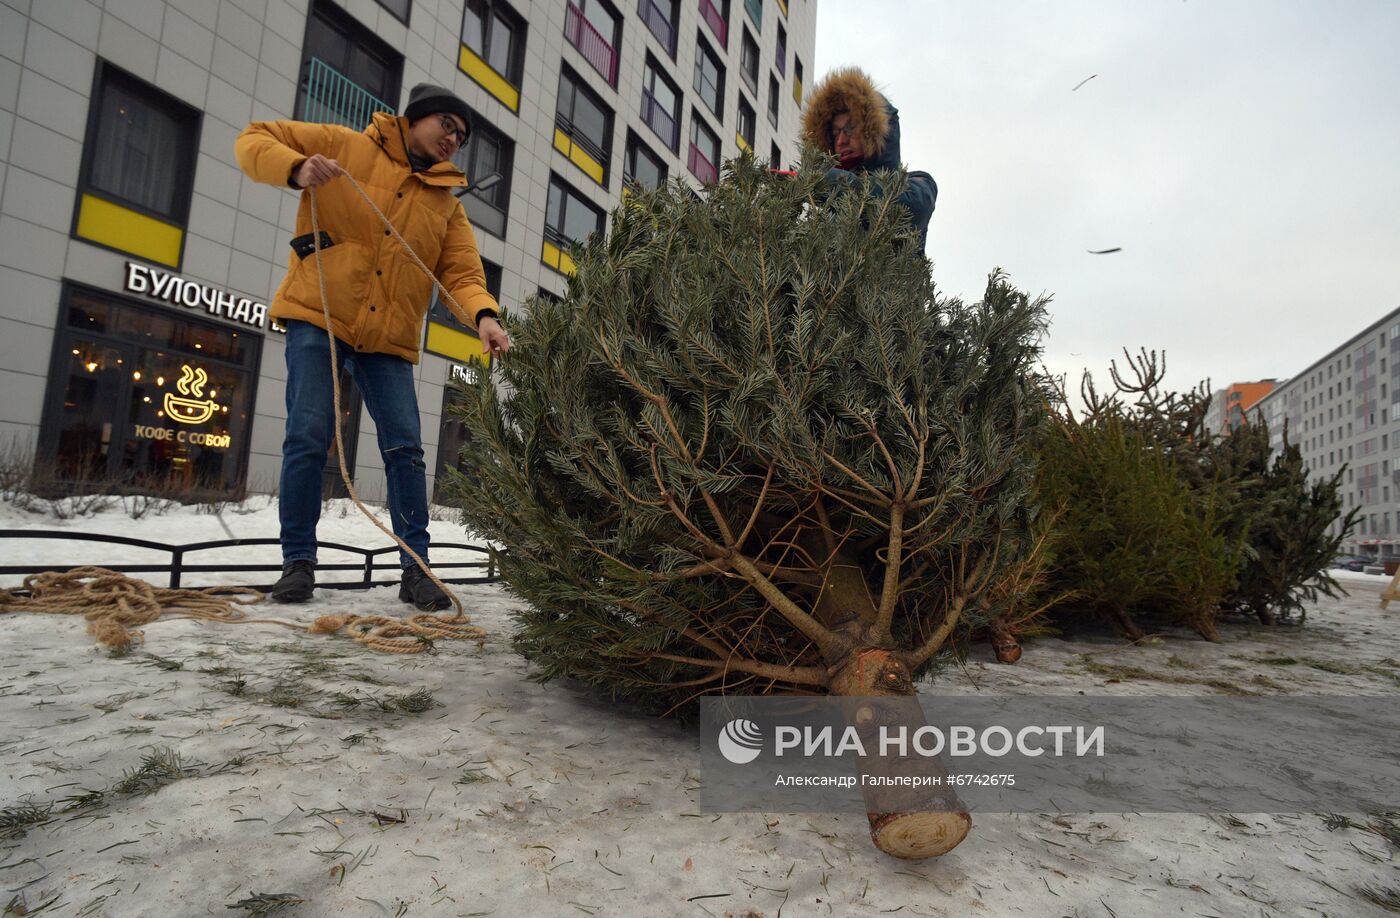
[(179, 566)]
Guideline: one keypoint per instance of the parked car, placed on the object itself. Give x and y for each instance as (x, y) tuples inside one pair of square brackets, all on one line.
[(1352, 562)]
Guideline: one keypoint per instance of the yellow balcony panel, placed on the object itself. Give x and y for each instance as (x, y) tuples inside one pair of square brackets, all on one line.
[(455, 344), (797, 90), (590, 166), (124, 229), (782, 5), (557, 258), (743, 144), (579, 156), (490, 80)]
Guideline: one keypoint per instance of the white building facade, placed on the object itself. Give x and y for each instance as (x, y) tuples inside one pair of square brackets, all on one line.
[(136, 259), (1343, 412)]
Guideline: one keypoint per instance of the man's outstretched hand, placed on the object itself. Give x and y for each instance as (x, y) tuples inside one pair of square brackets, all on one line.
[(494, 339), (316, 170)]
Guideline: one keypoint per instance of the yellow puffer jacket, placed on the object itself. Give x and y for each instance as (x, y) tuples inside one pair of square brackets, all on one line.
[(378, 296)]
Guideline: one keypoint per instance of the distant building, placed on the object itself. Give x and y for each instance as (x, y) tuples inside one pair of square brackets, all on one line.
[(1230, 406), (1343, 412)]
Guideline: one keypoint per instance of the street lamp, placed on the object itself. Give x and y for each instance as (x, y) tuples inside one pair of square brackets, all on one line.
[(486, 184)]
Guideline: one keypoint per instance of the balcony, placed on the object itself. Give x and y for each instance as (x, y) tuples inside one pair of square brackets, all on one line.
[(659, 120), (329, 97), (715, 20), (660, 24), (593, 46), (701, 167), (582, 150)]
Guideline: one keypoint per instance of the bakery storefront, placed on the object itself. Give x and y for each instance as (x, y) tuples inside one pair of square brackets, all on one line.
[(148, 391)]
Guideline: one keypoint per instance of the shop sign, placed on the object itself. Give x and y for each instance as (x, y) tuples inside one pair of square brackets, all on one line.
[(189, 407), (193, 437), (177, 291), (195, 410), (468, 375)]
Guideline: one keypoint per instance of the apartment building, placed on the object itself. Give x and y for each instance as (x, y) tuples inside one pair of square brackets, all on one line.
[(1343, 411), (136, 259)]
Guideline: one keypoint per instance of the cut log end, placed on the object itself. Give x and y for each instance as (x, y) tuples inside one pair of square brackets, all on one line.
[(1004, 644), (915, 836)]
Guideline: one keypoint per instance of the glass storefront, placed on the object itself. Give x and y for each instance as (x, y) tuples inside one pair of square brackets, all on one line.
[(140, 397), (453, 435)]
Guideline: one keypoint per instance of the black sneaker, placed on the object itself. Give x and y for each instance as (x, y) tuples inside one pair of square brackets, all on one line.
[(297, 584), (422, 592)]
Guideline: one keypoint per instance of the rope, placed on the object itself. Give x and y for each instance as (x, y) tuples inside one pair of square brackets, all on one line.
[(460, 619), (115, 605)]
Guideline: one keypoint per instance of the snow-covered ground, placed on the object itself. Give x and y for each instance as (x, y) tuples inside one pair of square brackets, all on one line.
[(301, 773)]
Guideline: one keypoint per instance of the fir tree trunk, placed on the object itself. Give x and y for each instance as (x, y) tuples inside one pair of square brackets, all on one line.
[(1004, 643), (912, 834)]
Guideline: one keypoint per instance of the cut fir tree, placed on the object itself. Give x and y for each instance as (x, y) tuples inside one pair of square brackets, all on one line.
[(753, 452)]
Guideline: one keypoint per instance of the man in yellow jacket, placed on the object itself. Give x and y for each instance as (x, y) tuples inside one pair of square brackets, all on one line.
[(378, 300)]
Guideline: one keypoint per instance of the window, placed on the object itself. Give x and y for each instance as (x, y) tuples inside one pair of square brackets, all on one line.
[(641, 167), (347, 72), (797, 80), (755, 10), (781, 51), (399, 9), (661, 104), (493, 49), (143, 397), (569, 219), (448, 337), (593, 27), (709, 78), (716, 16), (583, 127), (748, 61), (772, 100), (487, 153), (137, 170), (747, 125), (661, 17), (704, 150), (775, 158)]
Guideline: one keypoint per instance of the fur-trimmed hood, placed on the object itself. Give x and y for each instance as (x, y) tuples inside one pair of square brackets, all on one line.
[(850, 89)]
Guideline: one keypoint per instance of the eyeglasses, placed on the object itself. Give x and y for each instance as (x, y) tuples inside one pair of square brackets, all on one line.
[(453, 131), (849, 130)]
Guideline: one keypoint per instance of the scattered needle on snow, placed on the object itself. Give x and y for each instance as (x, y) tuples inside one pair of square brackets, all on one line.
[(1117, 248), (1083, 81)]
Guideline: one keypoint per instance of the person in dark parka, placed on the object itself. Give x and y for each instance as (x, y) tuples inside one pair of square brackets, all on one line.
[(849, 118)]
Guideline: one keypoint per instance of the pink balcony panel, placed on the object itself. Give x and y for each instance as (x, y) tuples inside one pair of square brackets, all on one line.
[(715, 20), (701, 167), (594, 47)]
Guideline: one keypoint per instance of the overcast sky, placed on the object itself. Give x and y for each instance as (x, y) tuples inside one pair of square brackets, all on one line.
[(1244, 155)]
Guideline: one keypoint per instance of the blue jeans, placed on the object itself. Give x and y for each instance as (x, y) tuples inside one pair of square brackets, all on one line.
[(387, 387)]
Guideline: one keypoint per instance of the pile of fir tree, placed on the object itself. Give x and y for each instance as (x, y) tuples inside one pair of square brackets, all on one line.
[(1153, 519), (753, 451)]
